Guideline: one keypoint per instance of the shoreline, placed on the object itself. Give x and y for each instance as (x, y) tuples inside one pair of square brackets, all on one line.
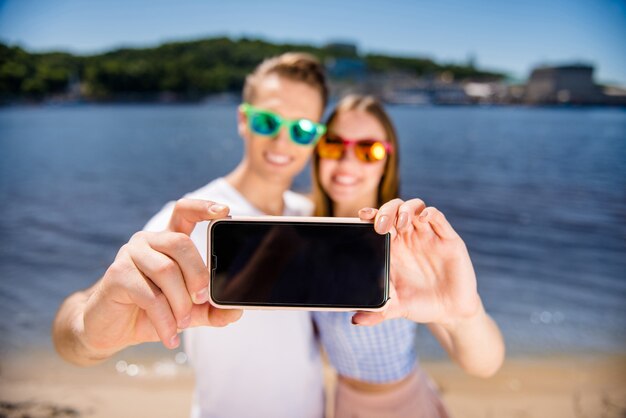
[(232, 100), (40, 384)]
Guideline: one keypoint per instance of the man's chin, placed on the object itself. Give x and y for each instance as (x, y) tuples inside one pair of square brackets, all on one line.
[(279, 174)]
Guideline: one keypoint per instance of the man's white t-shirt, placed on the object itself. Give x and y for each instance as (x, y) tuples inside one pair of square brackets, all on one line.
[(267, 364)]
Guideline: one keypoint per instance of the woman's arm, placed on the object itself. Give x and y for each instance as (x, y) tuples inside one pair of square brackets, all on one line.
[(433, 282), (474, 343)]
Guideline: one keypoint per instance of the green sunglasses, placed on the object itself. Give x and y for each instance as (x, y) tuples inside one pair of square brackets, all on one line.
[(266, 123)]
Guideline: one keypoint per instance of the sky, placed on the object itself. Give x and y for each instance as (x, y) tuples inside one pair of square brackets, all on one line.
[(512, 37)]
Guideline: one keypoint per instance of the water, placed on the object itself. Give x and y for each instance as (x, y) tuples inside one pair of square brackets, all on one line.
[(538, 194)]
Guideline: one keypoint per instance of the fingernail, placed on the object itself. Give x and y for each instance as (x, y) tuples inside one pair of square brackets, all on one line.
[(423, 215), (383, 222), (366, 211), (184, 323), (174, 341), (402, 220), (201, 296), (216, 208)]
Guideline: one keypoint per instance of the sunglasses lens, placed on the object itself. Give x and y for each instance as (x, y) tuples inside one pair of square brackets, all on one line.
[(370, 151), (264, 124), (304, 132), (331, 148)]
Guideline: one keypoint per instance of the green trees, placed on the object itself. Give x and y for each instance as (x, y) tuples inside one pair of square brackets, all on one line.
[(188, 70), (34, 75)]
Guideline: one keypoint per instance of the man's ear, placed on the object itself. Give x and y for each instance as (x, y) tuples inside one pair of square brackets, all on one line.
[(242, 123)]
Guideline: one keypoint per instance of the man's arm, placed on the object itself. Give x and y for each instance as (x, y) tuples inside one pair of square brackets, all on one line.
[(157, 286), (68, 328)]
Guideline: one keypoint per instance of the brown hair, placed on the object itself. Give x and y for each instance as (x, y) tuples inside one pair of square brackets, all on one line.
[(295, 66), (388, 187)]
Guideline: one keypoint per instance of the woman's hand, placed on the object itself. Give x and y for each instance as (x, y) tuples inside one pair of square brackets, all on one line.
[(432, 277), (433, 282)]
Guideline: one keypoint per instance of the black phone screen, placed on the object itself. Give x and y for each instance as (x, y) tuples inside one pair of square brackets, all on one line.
[(299, 264)]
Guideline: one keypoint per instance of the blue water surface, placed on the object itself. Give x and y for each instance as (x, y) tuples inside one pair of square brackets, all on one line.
[(538, 194)]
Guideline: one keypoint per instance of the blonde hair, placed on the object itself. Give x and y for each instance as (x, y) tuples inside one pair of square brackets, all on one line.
[(389, 185), (295, 66)]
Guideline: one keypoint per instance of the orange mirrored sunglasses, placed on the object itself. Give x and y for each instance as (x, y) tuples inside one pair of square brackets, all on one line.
[(367, 150)]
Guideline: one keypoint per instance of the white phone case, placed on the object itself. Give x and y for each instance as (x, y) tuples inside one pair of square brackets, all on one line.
[(301, 219)]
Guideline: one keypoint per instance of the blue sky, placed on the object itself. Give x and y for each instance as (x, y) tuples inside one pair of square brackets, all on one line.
[(507, 36)]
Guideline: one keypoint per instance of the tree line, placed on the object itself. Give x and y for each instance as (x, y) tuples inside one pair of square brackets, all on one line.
[(188, 70)]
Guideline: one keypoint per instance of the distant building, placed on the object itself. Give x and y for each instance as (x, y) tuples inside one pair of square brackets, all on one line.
[(563, 84), (346, 68), (342, 49)]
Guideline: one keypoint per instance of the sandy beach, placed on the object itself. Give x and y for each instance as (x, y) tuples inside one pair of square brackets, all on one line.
[(41, 385)]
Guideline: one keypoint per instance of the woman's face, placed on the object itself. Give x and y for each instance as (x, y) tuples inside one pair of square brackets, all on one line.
[(350, 180)]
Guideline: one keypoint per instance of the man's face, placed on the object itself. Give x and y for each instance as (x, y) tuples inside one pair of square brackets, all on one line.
[(279, 158)]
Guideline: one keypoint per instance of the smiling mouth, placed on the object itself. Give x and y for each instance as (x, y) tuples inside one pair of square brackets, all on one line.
[(277, 159), (345, 180)]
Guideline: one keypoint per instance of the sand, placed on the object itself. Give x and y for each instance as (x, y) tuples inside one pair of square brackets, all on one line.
[(41, 385), (568, 386)]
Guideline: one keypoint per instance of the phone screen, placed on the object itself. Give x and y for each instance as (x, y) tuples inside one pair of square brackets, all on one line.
[(299, 264)]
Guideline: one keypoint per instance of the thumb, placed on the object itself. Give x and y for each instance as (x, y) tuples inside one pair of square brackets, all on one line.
[(368, 318), (391, 309), (188, 212), (208, 315)]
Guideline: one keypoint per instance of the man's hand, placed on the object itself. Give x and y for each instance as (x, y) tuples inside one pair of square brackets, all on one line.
[(156, 287)]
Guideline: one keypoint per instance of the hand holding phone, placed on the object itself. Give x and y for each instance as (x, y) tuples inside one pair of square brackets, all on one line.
[(433, 280), (156, 286)]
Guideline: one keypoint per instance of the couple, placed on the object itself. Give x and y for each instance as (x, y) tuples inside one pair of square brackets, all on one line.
[(267, 363)]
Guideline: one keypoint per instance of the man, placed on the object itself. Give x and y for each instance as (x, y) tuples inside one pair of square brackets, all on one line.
[(267, 363)]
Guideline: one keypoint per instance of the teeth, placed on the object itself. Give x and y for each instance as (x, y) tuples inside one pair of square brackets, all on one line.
[(277, 158), (345, 180)]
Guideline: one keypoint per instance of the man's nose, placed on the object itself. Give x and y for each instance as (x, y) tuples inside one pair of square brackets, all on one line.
[(282, 137)]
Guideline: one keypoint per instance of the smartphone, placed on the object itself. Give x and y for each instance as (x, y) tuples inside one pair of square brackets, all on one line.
[(311, 263)]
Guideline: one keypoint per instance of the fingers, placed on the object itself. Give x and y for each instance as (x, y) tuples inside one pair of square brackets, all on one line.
[(182, 250), (166, 274), (172, 263), (437, 220), (208, 315), (392, 309), (188, 212), (147, 296), (386, 218), (223, 317), (367, 214), (407, 213), (368, 318)]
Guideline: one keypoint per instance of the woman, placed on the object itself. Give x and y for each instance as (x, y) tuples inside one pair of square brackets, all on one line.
[(355, 171)]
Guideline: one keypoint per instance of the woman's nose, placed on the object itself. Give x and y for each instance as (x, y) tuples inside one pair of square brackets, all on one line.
[(348, 155)]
